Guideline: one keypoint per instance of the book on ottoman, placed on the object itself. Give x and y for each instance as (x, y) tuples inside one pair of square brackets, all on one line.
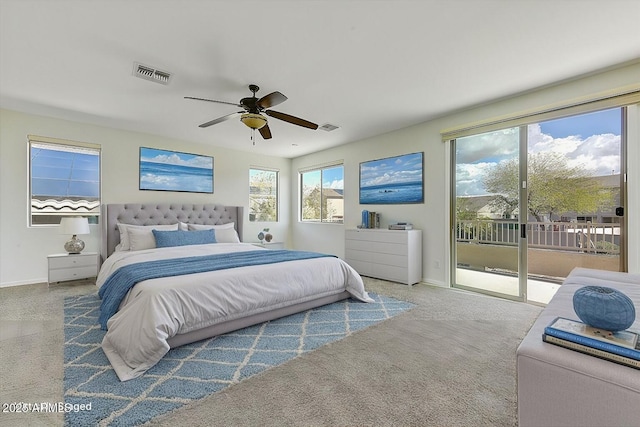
[(622, 346)]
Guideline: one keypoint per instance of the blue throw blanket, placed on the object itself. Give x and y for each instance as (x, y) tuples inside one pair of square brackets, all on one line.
[(118, 284)]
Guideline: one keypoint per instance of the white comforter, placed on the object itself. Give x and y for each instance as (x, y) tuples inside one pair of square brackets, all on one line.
[(155, 310)]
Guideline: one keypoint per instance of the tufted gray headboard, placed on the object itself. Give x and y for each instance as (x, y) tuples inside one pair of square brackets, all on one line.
[(163, 213)]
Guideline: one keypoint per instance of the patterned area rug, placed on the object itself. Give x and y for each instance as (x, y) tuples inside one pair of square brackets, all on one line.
[(196, 370)]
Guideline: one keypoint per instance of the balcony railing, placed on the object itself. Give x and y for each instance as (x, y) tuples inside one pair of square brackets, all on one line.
[(594, 238)]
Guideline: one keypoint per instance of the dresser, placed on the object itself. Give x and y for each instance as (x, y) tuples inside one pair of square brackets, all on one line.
[(65, 266), (394, 255)]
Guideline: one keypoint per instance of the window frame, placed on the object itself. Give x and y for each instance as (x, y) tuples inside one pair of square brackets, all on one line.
[(277, 190), (321, 169), (94, 212)]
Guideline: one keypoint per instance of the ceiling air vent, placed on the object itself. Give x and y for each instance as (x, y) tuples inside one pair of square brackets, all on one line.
[(151, 73), (328, 127)]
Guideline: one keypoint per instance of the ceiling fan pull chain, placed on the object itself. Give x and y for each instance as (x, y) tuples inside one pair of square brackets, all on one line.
[(253, 136)]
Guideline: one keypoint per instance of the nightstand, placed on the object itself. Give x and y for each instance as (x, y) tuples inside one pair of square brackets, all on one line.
[(270, 245), (64, 267)]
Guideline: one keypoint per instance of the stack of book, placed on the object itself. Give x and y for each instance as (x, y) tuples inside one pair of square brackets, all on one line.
[(370, 219), (622, 347), (401, 226)]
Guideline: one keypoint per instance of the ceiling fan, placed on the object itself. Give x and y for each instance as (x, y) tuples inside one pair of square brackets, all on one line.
[(253, 107)]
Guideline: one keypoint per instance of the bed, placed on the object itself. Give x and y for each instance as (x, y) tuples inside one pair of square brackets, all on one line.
[(159, 310)]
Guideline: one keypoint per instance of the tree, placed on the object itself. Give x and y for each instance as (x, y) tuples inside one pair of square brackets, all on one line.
[(553, 186), (315, 204), (464, 209), (263, 197), (311, 202)]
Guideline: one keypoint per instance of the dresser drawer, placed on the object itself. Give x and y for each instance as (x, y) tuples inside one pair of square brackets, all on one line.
[(71, 261), (64, 267), (61, 275), (379, 247), (377, 235), (378, 258)]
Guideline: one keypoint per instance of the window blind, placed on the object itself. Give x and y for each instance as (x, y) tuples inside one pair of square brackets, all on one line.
[(620, 97)]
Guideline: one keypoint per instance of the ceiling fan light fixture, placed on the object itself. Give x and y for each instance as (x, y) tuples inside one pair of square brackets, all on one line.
[(254, 121)]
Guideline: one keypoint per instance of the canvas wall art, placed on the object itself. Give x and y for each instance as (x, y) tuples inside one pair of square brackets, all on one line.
[(392, 180), (165, 170)]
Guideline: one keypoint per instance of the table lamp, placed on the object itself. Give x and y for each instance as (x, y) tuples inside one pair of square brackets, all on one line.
[(74, 226)]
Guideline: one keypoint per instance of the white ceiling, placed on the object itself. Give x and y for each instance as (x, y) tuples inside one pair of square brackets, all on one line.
[(369, 67)]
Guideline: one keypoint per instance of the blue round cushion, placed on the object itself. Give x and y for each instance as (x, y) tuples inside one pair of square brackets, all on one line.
[(604, 308)]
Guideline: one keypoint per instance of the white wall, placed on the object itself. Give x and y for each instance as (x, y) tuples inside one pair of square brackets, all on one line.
[(23, 249), (433, 216)]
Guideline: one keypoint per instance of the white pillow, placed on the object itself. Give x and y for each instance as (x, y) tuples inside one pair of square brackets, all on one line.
[(225, 233), (124, 244), (141, 239)]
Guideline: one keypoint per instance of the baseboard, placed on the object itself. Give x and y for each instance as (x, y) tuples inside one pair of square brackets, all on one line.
[(437, 283), (23, 283)]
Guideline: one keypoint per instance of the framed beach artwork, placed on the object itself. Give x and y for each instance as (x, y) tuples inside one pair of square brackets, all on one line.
[(164, 170), (392, 180)]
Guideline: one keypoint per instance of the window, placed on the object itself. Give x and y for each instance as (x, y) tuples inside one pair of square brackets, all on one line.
[(263, 195), (64, 180), (322, 197)]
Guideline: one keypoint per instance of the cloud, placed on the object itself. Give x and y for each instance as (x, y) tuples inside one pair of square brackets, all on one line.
[(336, 184), (599, 154), (469, 178), (498, 145), (388, 171), (175, 159)]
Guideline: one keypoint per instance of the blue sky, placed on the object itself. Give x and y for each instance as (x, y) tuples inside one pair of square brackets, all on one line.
[(393, 170), (175, 158), (602, 122), (591, 141), (64, 172), (333, 178)]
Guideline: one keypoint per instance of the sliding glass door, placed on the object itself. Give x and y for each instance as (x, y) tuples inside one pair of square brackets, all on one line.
[(532, 202), (486, 232)]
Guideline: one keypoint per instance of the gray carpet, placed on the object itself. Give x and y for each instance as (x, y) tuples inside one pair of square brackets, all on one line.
[(448, 362)]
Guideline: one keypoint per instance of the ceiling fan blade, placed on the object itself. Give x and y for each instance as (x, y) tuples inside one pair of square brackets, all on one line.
[(221, 119), (265, 132), (213, 100), (291, 119), (274, 98)]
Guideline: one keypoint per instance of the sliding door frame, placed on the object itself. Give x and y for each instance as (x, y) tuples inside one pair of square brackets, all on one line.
[(523, 273)]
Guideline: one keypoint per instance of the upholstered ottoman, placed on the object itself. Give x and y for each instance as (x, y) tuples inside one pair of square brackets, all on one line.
[(561, 387)]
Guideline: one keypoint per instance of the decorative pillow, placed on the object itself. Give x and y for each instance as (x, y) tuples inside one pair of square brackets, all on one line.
[(165, 239), (225, 233), (125, 229)]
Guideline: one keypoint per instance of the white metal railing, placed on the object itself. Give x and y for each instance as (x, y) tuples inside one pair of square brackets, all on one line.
[(586, 237)]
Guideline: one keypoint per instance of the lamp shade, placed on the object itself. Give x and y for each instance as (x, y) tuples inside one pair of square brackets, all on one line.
[(74, 225), (254, 121)]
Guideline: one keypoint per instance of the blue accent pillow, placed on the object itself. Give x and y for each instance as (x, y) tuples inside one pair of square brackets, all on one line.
[(165, 239)]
